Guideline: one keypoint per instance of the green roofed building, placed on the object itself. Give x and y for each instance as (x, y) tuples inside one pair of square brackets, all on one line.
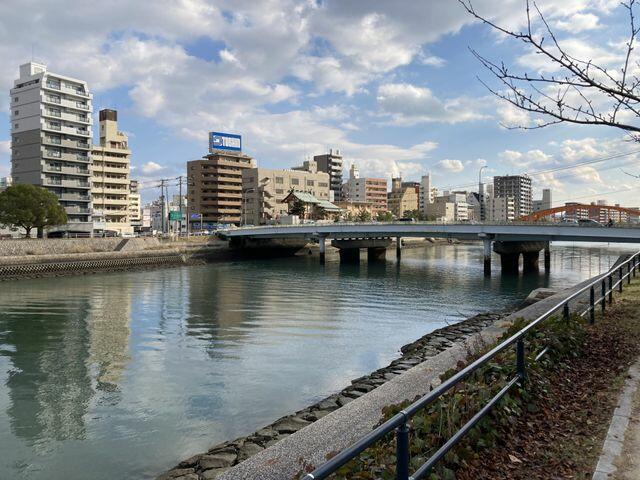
[(308, 207)]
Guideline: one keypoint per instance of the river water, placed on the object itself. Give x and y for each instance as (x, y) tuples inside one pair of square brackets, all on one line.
[(123, 375)]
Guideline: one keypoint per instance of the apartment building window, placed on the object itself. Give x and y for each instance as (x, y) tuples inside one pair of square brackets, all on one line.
[(310, 183), (16, 112), (15, 99), (279, 191), (15, 125), (323, 184), (295, 181), (279, 180)]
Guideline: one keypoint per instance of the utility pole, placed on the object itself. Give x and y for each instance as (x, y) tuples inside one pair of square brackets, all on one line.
[(180, 193), (162, 186)]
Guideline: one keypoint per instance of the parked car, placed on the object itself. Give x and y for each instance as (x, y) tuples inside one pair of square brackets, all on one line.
[(407, 220), (570, 221)]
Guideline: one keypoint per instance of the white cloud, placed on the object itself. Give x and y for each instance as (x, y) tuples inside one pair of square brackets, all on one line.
[(527, 159), (579, 22), (454, 166), (152, 167), (587, 174), (408, 104)]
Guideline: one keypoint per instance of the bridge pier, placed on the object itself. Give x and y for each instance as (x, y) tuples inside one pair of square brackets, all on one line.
[(376, 254), (349, 255), (487, 256), (398, 247), (322, 244), (547, 257), (349, 248), (510, 255), (530, 262)]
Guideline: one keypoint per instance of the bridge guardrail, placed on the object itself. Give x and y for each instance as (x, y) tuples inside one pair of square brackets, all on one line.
[(492, 223), (605, 284)]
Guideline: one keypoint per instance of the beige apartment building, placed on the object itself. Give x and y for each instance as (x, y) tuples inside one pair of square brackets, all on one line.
[(214, 187), (265, 189), (110, 187), (365, 190), (403, 197)]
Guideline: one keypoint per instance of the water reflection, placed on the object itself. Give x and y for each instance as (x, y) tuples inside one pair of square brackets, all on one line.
[(122, 375)]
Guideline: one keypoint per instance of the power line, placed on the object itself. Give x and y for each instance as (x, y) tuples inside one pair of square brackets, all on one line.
[(564, 167)]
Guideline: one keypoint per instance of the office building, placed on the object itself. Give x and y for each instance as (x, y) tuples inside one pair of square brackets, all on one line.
[(544, 203), (5, 182), (364, 190), (214, 186), (51, 119), (111, 187), (264, 190), (403, 197), (518, 187), (331, 163)]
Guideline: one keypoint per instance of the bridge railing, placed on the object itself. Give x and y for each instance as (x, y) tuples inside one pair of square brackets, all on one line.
[(435, 223), (600, 290)]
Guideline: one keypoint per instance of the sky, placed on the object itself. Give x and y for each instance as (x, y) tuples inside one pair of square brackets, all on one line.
[(391, 84)]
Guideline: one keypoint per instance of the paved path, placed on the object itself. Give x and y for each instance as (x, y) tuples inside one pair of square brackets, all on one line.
[(620, 458)]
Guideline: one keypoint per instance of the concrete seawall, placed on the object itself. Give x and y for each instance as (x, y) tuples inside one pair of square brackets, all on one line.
[(81, 256)]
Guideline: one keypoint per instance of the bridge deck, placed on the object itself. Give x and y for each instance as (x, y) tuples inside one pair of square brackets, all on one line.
[(463, 231)]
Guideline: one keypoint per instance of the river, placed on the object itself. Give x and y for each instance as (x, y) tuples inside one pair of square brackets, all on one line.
[(123, 375)]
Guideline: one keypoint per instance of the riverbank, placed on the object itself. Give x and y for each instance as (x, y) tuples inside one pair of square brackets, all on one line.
[(34, 258), (305, 438), (219, 458)]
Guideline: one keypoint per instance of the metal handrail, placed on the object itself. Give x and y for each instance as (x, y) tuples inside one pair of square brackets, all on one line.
[(399, 422)]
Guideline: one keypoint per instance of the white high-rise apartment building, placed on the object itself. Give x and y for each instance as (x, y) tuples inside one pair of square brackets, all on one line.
[(428, 193), (51, 119)]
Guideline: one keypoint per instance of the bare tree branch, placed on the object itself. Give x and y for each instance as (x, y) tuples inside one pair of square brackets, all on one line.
[(582, 93)]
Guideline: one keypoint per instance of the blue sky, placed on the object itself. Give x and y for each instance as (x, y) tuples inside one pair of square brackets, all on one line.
[(391, 84)]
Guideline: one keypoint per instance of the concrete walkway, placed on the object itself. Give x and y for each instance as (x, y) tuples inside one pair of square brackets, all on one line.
[(620, 458)]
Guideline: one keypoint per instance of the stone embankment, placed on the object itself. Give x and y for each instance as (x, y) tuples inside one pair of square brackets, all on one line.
[(31, 258), (220, 458)]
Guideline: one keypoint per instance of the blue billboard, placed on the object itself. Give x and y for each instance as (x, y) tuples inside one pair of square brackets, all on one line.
[(225, 141)]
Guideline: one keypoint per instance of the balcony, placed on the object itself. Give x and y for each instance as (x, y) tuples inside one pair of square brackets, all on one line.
[(53, 85), (50, 126), (75, 184), (74, 197), (77, 210), (52, 182)]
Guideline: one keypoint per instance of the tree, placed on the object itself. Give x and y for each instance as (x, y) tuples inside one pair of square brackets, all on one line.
[(384, 216), (297, 208), (415, 214), (581, 93), (29, 207), (363, 216)]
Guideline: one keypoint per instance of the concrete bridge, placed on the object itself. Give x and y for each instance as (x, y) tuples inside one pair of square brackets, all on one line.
[(509, 240)]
